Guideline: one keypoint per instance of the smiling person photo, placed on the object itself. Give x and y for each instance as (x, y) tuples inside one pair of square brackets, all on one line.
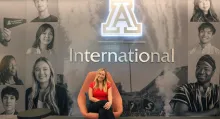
[(44, 93), (44, 40), (200, 98), (8, 71), (206, 34), (43, 12), (204, 12), (9, 96)]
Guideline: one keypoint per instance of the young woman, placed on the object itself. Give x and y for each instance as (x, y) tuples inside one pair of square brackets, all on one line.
[(44, 40), (100, 96), (44, 93), (8, 71), (204, 12)]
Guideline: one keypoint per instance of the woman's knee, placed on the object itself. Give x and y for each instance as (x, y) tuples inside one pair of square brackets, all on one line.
[(102, 111), (105, 110)]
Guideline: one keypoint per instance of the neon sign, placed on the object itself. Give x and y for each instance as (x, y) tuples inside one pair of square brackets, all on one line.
[(121, 20)]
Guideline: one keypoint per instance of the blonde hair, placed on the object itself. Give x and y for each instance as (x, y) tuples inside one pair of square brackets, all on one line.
[(104, 84), (49, 96)]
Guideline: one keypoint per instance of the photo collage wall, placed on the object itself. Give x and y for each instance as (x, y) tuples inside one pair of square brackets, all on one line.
[(48, 48)]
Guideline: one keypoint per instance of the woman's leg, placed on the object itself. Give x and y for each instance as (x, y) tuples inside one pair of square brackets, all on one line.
[(95, 106), (102, 113), (110, 114), (106, 114)]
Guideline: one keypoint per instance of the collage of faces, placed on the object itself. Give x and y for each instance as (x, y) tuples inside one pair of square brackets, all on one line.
[(29, 73), (200, 97), (32, 64)]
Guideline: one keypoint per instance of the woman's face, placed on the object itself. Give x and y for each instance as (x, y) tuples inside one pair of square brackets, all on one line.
[(46, 37), (42, 72), (101, 75), (12, 67), (204, 5)]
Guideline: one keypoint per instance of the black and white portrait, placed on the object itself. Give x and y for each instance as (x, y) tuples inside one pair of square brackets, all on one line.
[(8, 71), (44, 10), (44, 92), (199, 97), (205, 36), (12, 100), (43, 40), (204, 11)]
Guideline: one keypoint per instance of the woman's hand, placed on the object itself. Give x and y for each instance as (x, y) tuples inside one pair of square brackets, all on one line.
[(107, 105)]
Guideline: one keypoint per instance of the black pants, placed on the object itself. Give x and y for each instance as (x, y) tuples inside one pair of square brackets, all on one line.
[(97, 107)]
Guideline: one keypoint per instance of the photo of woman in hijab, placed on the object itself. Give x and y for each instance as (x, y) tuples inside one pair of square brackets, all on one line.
[(8, 71), (204, 12), (44, 40), (44, 93)]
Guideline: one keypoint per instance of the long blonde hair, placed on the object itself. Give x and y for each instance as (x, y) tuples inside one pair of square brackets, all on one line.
[(49, 96), (104, 84)]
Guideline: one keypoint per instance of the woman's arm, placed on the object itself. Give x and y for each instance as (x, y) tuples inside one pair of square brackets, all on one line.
[(110, 95), (109, 103), (91, 98)]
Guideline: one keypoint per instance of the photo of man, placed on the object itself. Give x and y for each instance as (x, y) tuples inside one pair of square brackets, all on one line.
[(9, 96), (200, 98), (5, 36), (206, 33), (43, 12)]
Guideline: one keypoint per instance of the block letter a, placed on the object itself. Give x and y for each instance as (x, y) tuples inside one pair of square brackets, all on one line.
[(121, 20)]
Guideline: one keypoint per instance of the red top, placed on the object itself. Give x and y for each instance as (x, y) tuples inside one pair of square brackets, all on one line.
[(99, 94)]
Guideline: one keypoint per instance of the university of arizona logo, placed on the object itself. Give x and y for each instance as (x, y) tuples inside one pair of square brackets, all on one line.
[(13, 22), (9, 22), (121, 20)]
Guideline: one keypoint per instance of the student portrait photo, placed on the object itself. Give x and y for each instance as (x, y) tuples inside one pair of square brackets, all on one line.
[(44, 40), (44, 93), (206, 33), (199, 98), (204, 11), (9, 97), (5, 36), (8, 71), (43, 12)]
